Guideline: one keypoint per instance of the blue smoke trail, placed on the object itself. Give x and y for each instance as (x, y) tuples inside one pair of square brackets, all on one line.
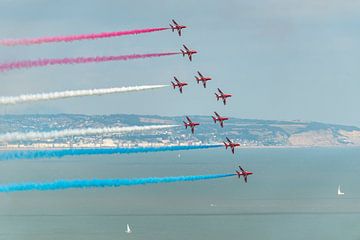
[(59, 153), (102, 183)]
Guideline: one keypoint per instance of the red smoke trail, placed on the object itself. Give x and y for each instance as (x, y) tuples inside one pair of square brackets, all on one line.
[(91, 36), (56, 61)]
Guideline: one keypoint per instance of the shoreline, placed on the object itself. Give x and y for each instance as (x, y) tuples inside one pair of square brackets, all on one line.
[(125, 147)]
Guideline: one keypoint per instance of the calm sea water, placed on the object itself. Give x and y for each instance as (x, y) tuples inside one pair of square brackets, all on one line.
[(292, 195)]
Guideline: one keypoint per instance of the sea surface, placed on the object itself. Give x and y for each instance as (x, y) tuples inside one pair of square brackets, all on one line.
[(292, 195)]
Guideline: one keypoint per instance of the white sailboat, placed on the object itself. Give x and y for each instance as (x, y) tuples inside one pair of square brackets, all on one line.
[(128, 230), (339, 191)]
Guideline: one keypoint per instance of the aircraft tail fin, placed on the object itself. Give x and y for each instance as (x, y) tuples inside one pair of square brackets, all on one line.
[(238, 173), (185, 125), (197, 79), (214, 119), (183, 53), (172, 27), (226, 146), (173, 84), (217, 96)]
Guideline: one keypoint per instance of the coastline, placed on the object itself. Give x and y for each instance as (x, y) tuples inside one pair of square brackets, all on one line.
[(30, 148)]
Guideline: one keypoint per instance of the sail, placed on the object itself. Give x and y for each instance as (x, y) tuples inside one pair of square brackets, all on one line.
[(128, 230), (339, 191)]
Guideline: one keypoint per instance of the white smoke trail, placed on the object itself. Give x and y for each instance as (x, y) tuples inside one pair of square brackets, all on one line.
[(73, 93), (17, 136)]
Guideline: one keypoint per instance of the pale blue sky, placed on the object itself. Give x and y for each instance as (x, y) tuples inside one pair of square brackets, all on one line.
[(281, 59)]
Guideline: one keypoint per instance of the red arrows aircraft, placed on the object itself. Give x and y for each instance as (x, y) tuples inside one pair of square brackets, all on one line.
[(243, 173), (220, 119), (191, 124), (178, 84), (177, 27), (202, 79), (188, 52), (231, 144), (222, 95)]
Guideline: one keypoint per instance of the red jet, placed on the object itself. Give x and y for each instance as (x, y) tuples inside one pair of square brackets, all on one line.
[(191, 124), (177, 27), (231, 144), (220, 119), (188, 52), (202, 79), (243, 173), (178, 84), (222, 95)]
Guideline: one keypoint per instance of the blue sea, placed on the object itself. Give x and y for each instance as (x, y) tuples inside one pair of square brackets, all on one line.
[(291, 195)]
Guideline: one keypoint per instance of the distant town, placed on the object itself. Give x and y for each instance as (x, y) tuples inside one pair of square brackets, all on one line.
[(249, 132)]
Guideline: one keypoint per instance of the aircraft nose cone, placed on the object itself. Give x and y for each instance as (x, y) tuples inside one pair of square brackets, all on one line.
[(249, 173)]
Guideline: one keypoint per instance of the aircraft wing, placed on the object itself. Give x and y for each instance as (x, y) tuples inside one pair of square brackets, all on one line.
[(220, 91), (188, 119), (176, 80), (200, 74), (232, 150), (217, 114), (228, 140), (175, 22), (192, 130), (179, 32), (185, 47), (190, 57)]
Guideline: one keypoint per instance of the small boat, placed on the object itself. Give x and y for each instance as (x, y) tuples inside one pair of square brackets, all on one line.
[(128, 230), (339, 191)]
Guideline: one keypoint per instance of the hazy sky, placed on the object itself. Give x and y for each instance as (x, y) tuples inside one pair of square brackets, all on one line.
[(281, 59)]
